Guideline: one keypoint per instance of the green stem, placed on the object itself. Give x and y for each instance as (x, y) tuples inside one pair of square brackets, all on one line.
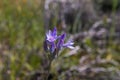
[(49, 66)]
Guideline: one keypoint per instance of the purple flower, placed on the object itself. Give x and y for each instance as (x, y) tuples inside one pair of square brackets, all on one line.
[(52, 47), (49, 46), (54, 43), (51, 36), (49, 43), (61, 43)]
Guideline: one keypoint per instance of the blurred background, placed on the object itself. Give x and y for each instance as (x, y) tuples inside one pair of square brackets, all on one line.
[(94, 25)]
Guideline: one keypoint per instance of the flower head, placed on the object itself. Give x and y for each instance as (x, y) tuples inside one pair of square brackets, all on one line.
[(61, 43), (51, 36), (49, 46), (54, 43)]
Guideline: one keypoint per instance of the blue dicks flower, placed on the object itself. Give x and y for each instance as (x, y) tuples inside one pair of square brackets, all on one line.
[(52, 47), (49, 43), (51, 36), (61, 43), (49, 46), (54, 43)]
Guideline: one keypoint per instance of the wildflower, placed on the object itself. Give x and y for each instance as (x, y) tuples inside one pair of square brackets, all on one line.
[(54, 43), (52, 47), (61, 43), (49, 46), (51, 36), (49, 43)]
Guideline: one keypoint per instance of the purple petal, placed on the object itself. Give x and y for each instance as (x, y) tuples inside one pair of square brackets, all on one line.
[(48, 34), (71, 47), (54, 33), (63, 36), (60, 43), (69, 44), (52, 47)]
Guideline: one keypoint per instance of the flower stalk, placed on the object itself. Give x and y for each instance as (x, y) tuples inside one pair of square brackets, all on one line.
[(53, 44)]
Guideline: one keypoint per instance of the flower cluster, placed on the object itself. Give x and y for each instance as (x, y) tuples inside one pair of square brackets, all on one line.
[(54, 43)]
